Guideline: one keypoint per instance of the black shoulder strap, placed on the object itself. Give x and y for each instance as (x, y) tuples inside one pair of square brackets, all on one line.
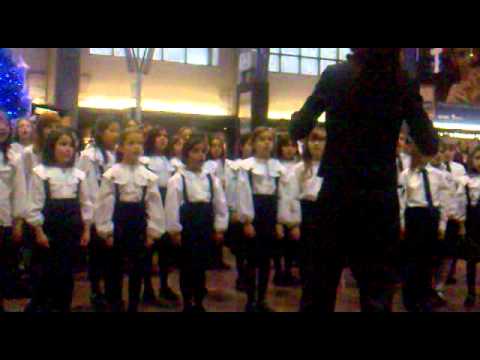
[(117, 192), (46, 187), (250, 179), (426, 185), (277, 183), (212, 189), (79, 189), (185, 192), (144, 194), (469, 199)]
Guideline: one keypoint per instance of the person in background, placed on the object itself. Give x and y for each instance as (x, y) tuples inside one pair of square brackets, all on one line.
[(286, 249), (13, 195), (95, 161), (457, 171), (185, 133), (235, 239), (156, 160), (60, 211), (175, 152), (128, 188), (197, 218), (216, 164), (466, 90), (259, 192), (23, 136), (469, 195), (425, 224)]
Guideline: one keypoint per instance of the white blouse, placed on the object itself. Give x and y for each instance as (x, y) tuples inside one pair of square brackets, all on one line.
[(63, 185), (441, 188), (299, 186), (131, 181), (30, 160), (264, 177), (198, 190), (177, 163), (161, 166), (90, 161), (217, 168), (473, 183), (13, 191), (232, 170)]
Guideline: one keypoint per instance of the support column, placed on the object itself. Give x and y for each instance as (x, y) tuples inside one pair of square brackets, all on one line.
[(67, 82)]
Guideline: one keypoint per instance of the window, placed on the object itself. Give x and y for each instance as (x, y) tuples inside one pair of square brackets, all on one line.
[(193, 56), (305, 61)]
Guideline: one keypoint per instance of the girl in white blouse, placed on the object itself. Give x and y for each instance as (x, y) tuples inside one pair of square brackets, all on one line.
[(156, 160), (287, 249), (469, 194), (61, 212), (129, 216), (23, 136), (176, 152), (12, 206), (197, 217), (258, 209), (95, 160), (216, 164), (304, 186)]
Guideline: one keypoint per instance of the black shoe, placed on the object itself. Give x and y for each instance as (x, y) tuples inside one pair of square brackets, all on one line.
[(451, 281), (117, 308), (168, 294), (132, 308), (279, 279), (470, 300), (2, 310), (199, 309), (262, 307)]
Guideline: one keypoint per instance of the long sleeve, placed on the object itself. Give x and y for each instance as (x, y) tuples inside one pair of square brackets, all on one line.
[(421, 127), (246, 211), (220, 206), (173, 201), (86, 203), (402, 198), (304, 120), (87, 167), (461, 199), (445, 202), (36, 201), (104, 207), (155, 211), (289, 211), (231, 189), (19, 193)]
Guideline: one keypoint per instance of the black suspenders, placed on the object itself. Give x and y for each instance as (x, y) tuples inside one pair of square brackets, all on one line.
[(117, 193), (48, 194), (427, 189), (250, 178), (185, 192)]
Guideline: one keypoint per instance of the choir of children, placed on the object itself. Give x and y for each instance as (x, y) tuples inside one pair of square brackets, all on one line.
[(134, 192)]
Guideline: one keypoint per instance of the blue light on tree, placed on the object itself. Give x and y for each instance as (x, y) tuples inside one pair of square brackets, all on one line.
[(14, 100)]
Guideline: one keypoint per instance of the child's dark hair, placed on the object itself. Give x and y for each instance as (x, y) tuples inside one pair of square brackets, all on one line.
[(245, 138), (45, 120), (471, 168), (283, 140), (48, 151), (195, 139), (102, 124), (152, 136), (175, 140), (220, 138), (123, 137), (5, 146)]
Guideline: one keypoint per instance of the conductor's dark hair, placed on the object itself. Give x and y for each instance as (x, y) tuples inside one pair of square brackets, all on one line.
[(48, 152)]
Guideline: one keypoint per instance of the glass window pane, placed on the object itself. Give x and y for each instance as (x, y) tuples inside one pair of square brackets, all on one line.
[(119, 51), (291, 51), (157, 54), (197, 56), (275, 50), (309, 66), (329, 53), (311, 52), (215, 56), (344, 52), (174, 54), (101, 51), (325, 63), (290, 64), (274, 63)]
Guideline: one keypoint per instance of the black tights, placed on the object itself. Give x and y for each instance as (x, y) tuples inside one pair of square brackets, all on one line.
[(471, 276), (257, 286)]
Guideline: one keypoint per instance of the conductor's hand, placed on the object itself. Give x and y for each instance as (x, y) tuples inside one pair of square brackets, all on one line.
[(249, 231), (176, 239), (279, 231), (218, 237), (109, 242), (149, 241)]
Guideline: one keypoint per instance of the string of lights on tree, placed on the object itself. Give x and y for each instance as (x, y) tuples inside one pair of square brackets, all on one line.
[(14, 100)]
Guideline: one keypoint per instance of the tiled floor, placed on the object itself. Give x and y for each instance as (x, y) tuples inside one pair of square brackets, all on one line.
[(224, 298)]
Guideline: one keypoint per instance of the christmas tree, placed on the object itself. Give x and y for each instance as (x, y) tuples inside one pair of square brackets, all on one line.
[(14, 100)]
